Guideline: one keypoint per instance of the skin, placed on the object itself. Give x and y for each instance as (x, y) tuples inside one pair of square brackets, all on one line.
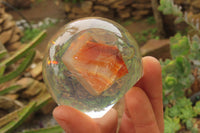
[(143, 108)]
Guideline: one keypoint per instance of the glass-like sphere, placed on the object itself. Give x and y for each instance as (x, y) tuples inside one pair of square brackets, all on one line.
[(90, 64)]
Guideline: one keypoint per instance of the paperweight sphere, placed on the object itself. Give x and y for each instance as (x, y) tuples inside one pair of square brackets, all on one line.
[(90, 64)]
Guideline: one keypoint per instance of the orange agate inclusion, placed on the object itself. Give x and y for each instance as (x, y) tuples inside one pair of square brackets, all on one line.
[(96, 66)]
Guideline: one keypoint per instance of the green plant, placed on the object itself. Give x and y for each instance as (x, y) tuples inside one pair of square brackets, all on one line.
[(169, 8), (177, 73), (127, 22), (21, 116), (20, 54), (55, 129), (151, 20), (197, 108), (29, 34), (145, 35), (23, 57), (26, 62), (181, 112), (172, 125)]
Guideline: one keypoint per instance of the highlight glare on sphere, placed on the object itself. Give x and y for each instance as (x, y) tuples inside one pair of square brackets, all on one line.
[(90, 64)]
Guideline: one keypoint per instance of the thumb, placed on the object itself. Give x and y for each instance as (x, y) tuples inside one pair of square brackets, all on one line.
[(74, 121)]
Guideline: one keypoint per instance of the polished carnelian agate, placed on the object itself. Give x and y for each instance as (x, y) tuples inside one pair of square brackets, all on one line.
[(96, 66)]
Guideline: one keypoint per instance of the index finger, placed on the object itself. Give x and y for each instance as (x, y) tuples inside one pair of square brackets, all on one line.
[(151, 83)]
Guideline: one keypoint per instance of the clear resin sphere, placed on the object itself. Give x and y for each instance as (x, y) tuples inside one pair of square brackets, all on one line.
[(90, 64)]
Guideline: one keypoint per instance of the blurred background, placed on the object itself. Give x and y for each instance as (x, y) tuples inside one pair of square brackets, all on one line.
[(166, 29)]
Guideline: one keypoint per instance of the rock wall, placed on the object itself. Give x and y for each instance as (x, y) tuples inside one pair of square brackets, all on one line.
[(121, 9), (189, 5), (9, 33)]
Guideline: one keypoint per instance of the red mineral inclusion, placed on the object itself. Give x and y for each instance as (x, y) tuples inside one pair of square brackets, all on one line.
[(96, 66)]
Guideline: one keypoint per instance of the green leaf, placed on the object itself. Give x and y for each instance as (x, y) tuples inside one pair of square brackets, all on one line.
[(170, 81), (169, 8), (18, 121), (55, 129), (172, 125), (26, 62), (179, 46), (20, 53), (2, 69), (29, 34), (189, 124), (197, 108), (10, 88), (3, 51)]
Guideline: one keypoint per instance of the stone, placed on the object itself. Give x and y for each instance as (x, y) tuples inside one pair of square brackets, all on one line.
[(38, 57), (33, 90), (102, 14), (1, 20), (101, 8), (182, 2), (76, 16), (37, 70), (77, 10), (67, 7), (118, 5), (195, 7), (5, 36), (127, 2), (7, 17), (196, 4), (24, 83), (8, 104), (8, 25), (2, 10), (124, 13), (106, 2), (18, 32), (40, 24), (86, 6), (156, 48), (12, 96), (140, 12), (14, 46), (14, 39), (94, 87), (195, 10), (35, 26), (141, 6), (39, 78)]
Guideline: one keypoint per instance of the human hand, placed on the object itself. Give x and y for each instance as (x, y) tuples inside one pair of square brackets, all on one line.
[(143, 108)]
